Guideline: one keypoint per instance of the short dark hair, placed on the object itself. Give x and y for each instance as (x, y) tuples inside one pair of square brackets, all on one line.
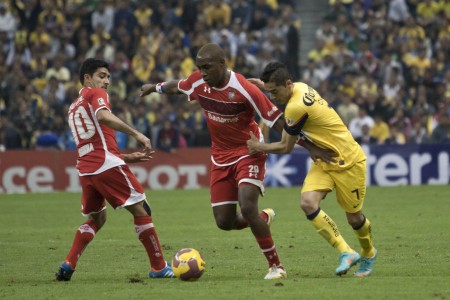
[(275, 72), (91, 65)]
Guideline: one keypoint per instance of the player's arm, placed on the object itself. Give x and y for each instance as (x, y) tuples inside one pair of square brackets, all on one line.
[(326, 155), (105, 117), (168, 87), (286, 144)]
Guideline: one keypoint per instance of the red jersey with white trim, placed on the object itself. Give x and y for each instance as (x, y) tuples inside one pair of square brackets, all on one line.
[(230, 112), (96, 143)]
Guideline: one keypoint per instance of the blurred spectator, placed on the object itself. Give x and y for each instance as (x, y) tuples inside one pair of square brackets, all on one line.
[(366, 138), (7, 21), (398, 11), (124, 16), (28, 12), (218, 12), (380, 130), (103, 16), (357, 123), (58, 70), (347, 110), (441, 133), (241, 12), (168, 137), (397, 137)]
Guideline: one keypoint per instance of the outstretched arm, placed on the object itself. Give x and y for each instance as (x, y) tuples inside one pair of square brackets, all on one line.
[(169, 87), (107, 118), (284, 146), (326, 155)]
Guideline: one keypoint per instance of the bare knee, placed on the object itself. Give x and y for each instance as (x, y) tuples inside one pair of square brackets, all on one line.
[(355, 220), (249, 212), (98, 219), (310, 201), (224, 223)]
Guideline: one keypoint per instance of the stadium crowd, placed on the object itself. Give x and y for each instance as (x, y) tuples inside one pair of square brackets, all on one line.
[(383, 65)]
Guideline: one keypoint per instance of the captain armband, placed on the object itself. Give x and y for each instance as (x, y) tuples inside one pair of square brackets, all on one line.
[(159, 87)]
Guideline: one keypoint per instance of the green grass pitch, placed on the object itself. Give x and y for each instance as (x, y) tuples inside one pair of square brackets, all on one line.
[(410, 226)]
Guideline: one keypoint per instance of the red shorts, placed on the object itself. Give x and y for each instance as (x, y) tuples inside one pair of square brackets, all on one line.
[(117, 185), (225, 180)]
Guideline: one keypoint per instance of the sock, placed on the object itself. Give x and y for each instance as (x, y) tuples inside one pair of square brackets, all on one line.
[(84, 235), (242, 223), (267, 246), (328, 230), (147, 235), (364, 234)]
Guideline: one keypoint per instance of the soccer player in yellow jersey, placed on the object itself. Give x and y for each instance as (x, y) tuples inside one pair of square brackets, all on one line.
[(309, 116)]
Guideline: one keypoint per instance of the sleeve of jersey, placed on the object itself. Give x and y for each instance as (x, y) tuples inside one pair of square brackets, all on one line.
[(99, 99), (295, 119), (187, 86), (268, 112)]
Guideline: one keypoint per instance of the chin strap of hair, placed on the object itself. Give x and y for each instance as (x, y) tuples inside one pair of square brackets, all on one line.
[(159, 87)]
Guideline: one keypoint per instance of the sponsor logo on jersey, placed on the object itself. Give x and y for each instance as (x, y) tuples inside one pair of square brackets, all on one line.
[(207, 89), (231, 94), (222, 119), (101, 101)]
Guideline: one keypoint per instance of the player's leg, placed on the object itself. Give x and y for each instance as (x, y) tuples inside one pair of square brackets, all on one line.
[(316, 186), (224, 199), (250, 174), (146, 233), (351, 191), (122, 189), (93, 205)]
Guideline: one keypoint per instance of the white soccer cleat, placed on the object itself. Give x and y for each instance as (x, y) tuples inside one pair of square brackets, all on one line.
[(276, 273), (270, 215)]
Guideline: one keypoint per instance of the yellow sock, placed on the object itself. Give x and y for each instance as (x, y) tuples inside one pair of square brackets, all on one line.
[(328, 230), (364, 235)]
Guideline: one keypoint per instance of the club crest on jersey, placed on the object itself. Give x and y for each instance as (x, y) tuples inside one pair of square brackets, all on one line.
[(231, 94), (290, 122), (101, 101)]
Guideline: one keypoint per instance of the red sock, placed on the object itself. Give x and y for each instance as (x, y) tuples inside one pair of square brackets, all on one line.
[(270, 251), (85, 234), (244, 224), (147, 235)]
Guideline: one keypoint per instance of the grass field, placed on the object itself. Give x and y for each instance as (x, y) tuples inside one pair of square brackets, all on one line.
[(410, 226)]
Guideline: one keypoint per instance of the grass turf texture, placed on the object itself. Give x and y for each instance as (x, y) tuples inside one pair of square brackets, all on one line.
[(410, 227)]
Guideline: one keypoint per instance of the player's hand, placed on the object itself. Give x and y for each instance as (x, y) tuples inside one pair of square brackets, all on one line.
[(146, 143), (136, 157), (325, 155), (252, 144), (258, 82), (147, 89)]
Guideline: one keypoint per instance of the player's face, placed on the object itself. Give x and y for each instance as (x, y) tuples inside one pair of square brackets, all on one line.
[(213, 72), (100, 79), (279, 93)]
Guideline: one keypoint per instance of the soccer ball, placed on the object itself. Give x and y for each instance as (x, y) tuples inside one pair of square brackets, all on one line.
[(188, 264)]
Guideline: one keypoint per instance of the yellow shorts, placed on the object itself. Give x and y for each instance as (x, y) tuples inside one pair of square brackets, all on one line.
[(350, 184)]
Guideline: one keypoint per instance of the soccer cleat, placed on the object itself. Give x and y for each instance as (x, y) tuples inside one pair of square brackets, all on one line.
[(65, 272), (347, 261), (165, 272), (270, 215), (276, 273), (366, 266)]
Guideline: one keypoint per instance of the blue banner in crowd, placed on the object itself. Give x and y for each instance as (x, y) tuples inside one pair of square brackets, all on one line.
[(386, 166)]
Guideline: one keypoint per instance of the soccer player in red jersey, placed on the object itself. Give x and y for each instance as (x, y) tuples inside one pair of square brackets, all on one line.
[(103, 171), (229, 102)]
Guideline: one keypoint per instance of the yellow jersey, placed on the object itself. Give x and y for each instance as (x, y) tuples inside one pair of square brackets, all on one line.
[(308, 115)]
